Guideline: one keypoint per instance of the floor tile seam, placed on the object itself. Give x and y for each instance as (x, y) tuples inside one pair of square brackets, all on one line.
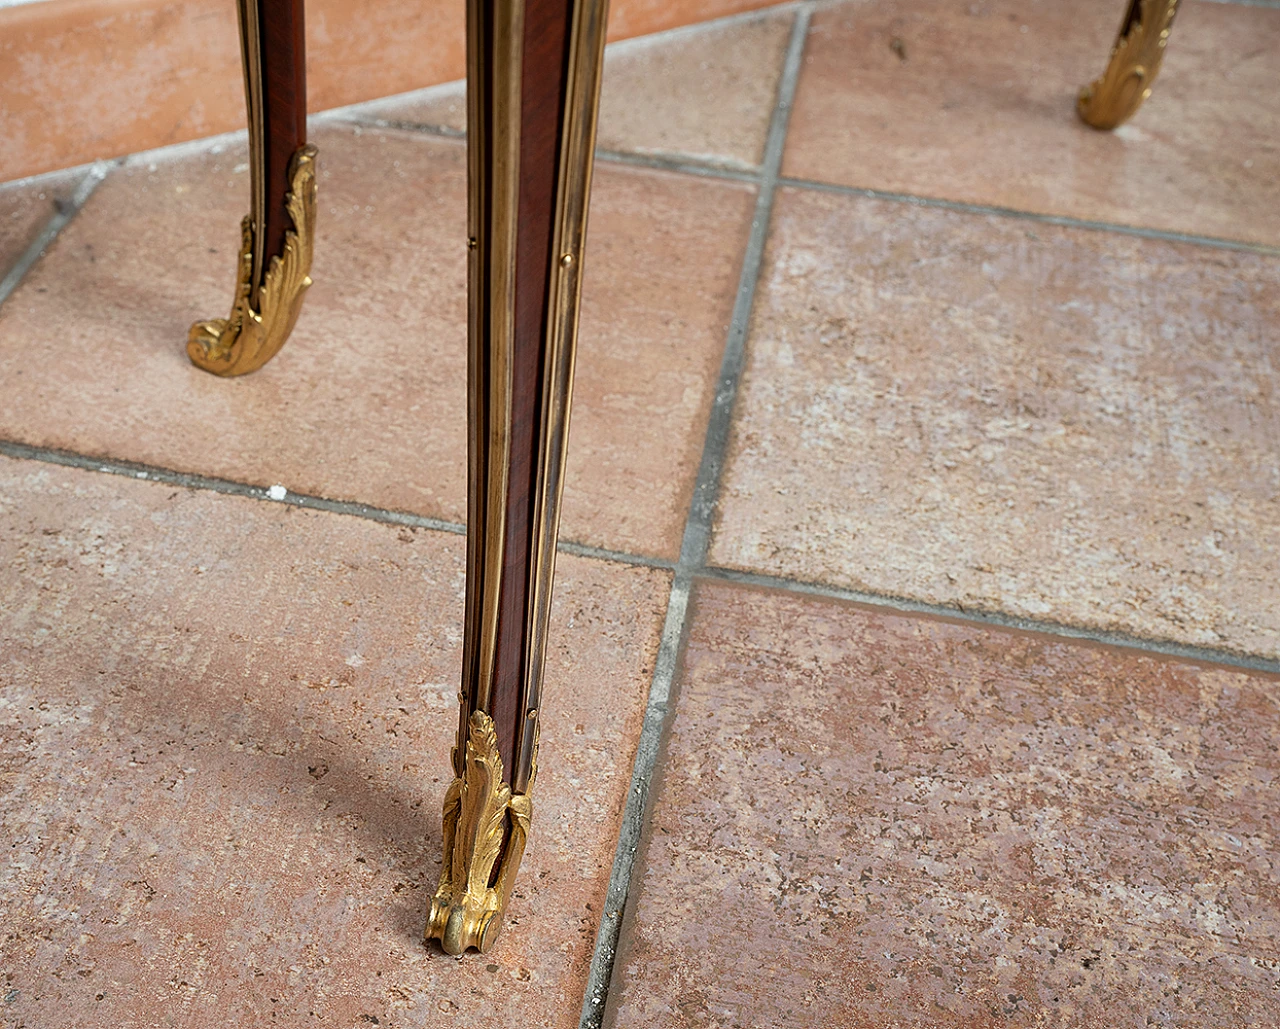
[(684, 165), (677, 163), (61, 217), (1064, 221), (681, 164), (1217, 657), (229, 487), (1273, 5), (694, 545)]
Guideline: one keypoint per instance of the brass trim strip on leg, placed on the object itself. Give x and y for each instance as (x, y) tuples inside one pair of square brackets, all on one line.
[(1135, 62), (506, 66), (492, 150), (477, 366), (573, 193), (251, 62)]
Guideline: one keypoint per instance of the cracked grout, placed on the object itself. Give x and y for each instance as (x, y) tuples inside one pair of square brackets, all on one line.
[(694, 546), (997, 619), (229, 487)]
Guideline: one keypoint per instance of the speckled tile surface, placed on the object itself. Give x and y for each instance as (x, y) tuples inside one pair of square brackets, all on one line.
[(1061, 424), (976, 102), (25, 209), (367, 402), (225, 722), (868, 820), (731, 67), (224, 742)]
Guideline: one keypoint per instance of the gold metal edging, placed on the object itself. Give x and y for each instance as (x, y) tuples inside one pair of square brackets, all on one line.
[(576, 161), (507, 61), (478, 245), (251, 52)]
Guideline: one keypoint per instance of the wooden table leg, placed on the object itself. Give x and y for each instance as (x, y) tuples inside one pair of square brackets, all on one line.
[(1135, 62), (273, 270), (533, 83)]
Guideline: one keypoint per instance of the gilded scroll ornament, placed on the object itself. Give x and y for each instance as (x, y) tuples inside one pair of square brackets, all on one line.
[(254, 333), (485, 831), (1134, 65)]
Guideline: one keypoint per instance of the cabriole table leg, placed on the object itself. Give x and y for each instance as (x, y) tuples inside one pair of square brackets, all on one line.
[(533, 84), (273, 269)]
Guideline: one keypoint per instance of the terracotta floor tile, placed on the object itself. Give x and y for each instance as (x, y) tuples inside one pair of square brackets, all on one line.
[(25, 208), (90, 79), (1057, 423), (981, 109), (705, 92), (869, 820), (224, 740), (367, 401)]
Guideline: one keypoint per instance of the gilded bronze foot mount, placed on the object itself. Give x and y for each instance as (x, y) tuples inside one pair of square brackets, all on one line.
[(486, 828), (1114, 98), (259, 326)]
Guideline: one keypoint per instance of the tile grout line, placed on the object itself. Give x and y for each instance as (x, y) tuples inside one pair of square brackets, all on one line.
[(765, 580), (906, 605), (617, 556), (685, 165), (1065, 221), (63, 213), (229, 487), (672, 162), (694, 544)]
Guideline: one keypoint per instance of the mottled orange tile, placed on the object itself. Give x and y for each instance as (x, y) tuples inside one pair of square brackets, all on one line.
[(869, 820), (1057, 423), (704, 92), (89, 79), (975, 102), (640, 17), (224, 742), (367, 400)]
